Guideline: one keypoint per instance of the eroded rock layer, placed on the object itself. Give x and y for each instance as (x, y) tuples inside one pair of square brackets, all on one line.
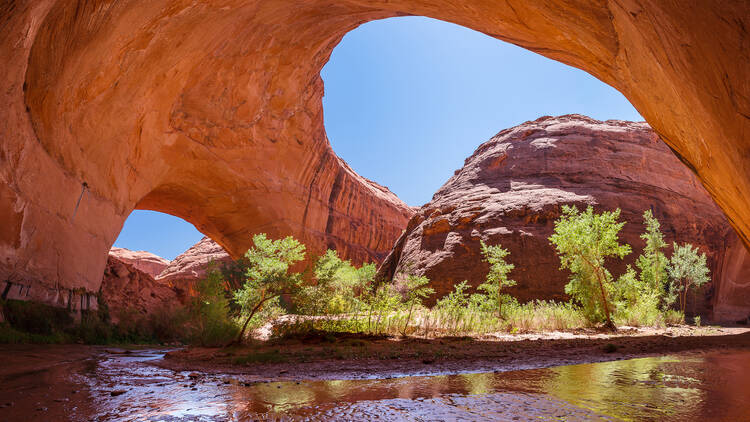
[(211, 111), (191, 265), (513, 187), (131, 293), (147, 262)]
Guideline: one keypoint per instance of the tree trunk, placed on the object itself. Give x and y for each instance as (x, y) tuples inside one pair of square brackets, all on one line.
[(408, 317), (610, 324), (255, 309)]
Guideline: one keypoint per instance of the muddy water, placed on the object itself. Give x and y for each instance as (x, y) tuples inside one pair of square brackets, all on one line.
[(713, 386)]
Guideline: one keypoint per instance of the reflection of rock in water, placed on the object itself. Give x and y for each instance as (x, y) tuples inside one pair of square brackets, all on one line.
[(83, 379)]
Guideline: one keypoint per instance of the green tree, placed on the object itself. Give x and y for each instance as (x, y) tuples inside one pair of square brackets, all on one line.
[(584, 240), (687, 270), (653, 263), (497, 278), (209, 309), (337, 285), (416, 291), (268, 276)]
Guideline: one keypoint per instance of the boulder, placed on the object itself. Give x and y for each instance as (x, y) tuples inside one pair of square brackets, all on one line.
[(513, 187)]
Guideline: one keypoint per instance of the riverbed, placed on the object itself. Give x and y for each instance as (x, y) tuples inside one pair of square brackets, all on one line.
[(84, 383)]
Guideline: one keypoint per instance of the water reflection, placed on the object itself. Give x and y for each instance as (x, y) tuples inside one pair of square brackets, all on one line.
[(714, 386)]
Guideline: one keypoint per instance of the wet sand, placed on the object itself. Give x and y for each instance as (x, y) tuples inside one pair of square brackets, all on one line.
[(401, 377), (352, 357)]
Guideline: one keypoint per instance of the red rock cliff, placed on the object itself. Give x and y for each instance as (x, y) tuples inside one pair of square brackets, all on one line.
[(211, 111), (512, 188)]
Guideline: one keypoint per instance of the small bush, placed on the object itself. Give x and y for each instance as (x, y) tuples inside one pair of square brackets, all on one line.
[(673, 317), (36, 318), (543, 315)]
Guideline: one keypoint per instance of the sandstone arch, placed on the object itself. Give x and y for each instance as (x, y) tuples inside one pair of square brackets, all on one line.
[(211, 111)]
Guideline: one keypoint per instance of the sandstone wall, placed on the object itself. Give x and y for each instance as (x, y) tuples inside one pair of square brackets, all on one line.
[(211, 111), (144, 261), (513, 187), (130, 292)]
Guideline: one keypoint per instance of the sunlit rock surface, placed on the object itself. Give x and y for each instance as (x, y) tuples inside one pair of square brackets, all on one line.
[(211, 111), (147, 262), (191, 265), (513, 187)]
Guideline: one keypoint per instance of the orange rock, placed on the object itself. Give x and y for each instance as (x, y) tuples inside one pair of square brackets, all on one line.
[(130, 292), (551, 162), (190, 266), (211, 111), (144, 261)]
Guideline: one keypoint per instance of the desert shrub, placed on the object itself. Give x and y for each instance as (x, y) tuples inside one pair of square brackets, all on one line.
[(497, 277), (673, 317), (210, 320), (36, 318), (416, 291), (652, 263), (337, 288), (94, 328), (543, 315), (584, 240), (687, 270)]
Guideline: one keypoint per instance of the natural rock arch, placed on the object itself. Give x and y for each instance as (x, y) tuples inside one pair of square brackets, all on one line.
[(211, 111)]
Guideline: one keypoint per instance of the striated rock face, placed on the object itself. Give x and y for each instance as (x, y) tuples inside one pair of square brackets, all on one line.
[(513, 187), (191, 264), (211, 111), (144, 261), (127, 289)]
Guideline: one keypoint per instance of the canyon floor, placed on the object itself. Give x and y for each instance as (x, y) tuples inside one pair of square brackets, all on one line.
[(362, 357), (366, 376)]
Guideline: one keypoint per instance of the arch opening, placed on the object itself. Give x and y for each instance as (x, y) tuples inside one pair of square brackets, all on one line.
[(407, 99), (93, 100)]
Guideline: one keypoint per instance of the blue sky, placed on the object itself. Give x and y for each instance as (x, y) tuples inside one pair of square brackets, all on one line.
[(408, 99)]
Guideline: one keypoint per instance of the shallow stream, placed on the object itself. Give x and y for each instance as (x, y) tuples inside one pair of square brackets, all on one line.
[(714, 386), (84, 383)]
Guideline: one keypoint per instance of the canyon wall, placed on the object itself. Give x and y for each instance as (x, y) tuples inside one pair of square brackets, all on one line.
[(513, 187), (130, 292), (144, 261), (211, 111)]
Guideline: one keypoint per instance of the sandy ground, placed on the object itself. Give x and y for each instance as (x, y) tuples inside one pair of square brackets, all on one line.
[(357, 357), (40, 382)]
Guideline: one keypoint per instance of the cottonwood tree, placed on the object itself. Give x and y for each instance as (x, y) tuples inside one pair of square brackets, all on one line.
[(653, 263), (687, 270), (584, 240), (267, 276), (416, 291), (497, 278)]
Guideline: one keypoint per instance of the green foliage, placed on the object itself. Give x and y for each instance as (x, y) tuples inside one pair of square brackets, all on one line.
[(687, 270), (338, 286), (36, 318), (416, 291), (542, 315), (268, 276), (584, 240), (455, 301), (653, 263), (209, 310), (497, 278)]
